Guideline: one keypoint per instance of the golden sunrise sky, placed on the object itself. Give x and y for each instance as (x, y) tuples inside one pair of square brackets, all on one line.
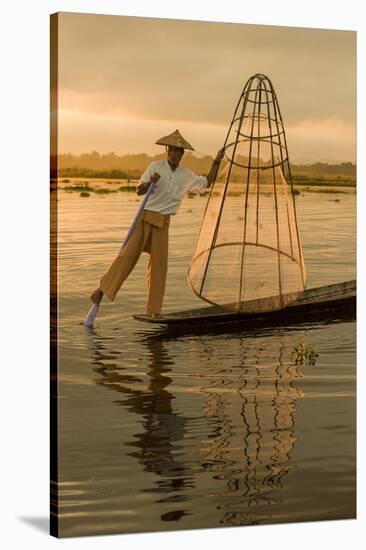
[(126, 81)]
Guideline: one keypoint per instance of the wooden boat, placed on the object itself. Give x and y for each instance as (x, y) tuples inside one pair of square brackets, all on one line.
[(329, 300)]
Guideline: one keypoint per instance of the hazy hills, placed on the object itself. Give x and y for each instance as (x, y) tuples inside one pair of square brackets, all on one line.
[(111, 165)]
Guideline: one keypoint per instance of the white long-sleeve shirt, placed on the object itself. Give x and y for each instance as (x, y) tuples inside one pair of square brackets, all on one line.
[(171, 187)]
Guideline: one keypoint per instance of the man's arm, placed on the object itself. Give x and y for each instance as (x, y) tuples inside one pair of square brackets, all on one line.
[(211, 176), (142, 188)]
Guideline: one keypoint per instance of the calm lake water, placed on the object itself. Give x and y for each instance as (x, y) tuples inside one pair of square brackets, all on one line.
[(167, 432)]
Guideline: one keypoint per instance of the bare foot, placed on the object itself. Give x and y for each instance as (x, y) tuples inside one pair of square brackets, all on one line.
[(97, 296)]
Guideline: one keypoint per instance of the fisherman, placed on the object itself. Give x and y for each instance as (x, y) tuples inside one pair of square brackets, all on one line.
[(171, 183)]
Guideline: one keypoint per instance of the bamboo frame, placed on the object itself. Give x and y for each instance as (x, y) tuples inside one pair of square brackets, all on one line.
[(257, 124)]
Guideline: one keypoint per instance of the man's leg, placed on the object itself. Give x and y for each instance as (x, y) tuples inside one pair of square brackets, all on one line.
[(124, 263), (157, 268)]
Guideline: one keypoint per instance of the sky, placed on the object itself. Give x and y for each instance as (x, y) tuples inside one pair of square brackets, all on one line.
[(124, 82)]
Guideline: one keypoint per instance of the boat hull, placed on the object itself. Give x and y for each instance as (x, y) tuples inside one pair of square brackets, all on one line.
[(330, 300)]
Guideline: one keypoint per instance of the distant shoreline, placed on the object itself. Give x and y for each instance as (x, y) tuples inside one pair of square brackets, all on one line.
[(130, 168), (297, 181), (337, 181), (105, 186)]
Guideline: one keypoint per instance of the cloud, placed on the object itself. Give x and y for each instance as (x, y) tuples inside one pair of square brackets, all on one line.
[(192, 71)]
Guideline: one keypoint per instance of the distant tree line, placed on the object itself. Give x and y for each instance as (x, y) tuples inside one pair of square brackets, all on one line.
[(324, 169), (87, 173), (96, 165)]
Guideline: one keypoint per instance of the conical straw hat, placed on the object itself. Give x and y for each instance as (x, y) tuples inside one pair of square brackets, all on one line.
[(176, 140)]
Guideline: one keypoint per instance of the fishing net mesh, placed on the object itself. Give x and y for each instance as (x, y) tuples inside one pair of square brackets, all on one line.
[(248, 255)]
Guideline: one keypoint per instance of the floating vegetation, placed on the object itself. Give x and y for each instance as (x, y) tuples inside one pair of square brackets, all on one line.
[(84, 194), (325, 190), (296, 192), (191, 195), (78, 187), (338, 181), (190, 211), (65, 181), (305, 355), (104, 191), (127, 188)]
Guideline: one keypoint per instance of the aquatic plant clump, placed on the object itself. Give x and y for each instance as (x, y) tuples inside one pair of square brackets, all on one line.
[(78, 187), (104, 191)]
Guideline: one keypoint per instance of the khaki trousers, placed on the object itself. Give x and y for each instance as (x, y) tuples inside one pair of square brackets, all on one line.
[(151, 236)]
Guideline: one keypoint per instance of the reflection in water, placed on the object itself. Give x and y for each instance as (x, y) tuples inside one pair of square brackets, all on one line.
[(158, 443), (253, 461), (250, 414)]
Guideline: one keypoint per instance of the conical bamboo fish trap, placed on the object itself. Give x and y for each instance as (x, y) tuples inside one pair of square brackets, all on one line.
[(248, 255)]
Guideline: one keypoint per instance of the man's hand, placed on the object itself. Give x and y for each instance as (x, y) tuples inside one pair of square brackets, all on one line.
[(220, 155), (215, 167), (155, 177), (143, 187)]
